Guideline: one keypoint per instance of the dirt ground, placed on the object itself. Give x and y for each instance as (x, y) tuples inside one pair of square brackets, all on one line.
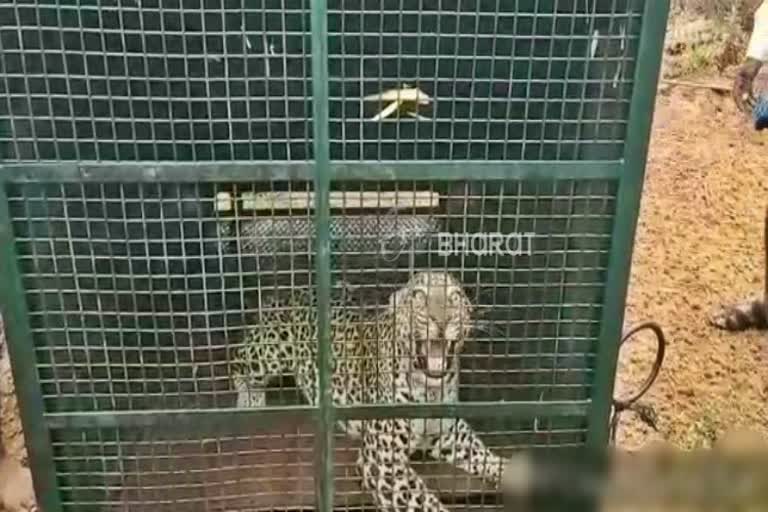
[(15, 481), (699, 243)]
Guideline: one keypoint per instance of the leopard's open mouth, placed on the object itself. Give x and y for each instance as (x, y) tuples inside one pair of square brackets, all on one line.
[(421, 364)]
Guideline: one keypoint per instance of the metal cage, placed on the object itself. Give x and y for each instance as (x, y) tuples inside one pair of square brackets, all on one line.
[(169, 165)]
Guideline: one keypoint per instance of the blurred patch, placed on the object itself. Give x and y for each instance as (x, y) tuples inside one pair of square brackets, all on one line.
[(730, 477)]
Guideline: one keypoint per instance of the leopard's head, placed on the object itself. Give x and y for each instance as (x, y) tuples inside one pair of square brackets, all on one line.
[(435, 315)]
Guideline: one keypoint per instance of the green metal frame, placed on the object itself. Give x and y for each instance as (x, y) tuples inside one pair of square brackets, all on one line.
[(628, 171)]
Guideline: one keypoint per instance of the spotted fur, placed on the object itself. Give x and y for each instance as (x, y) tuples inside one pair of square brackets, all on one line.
[(405, 353)]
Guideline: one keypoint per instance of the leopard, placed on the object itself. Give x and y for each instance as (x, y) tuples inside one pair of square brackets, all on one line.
[(406, 352)]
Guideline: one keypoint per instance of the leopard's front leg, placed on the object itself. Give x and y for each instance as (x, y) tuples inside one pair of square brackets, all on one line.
[(460, 446), (387, 472)]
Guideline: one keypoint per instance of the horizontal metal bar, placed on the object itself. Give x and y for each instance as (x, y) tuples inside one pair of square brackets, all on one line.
[(182, 419), (269, 201), (512, 410), (303, 171), (458, 170), (223, 419)]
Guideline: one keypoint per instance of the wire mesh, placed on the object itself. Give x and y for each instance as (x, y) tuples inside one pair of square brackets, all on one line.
[(191, 80), (141, 295), (259, 468), (136, 302)]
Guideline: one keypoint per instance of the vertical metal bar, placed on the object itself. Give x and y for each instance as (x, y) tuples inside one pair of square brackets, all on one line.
[(320, 127), (22, 353), (627, 205)]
